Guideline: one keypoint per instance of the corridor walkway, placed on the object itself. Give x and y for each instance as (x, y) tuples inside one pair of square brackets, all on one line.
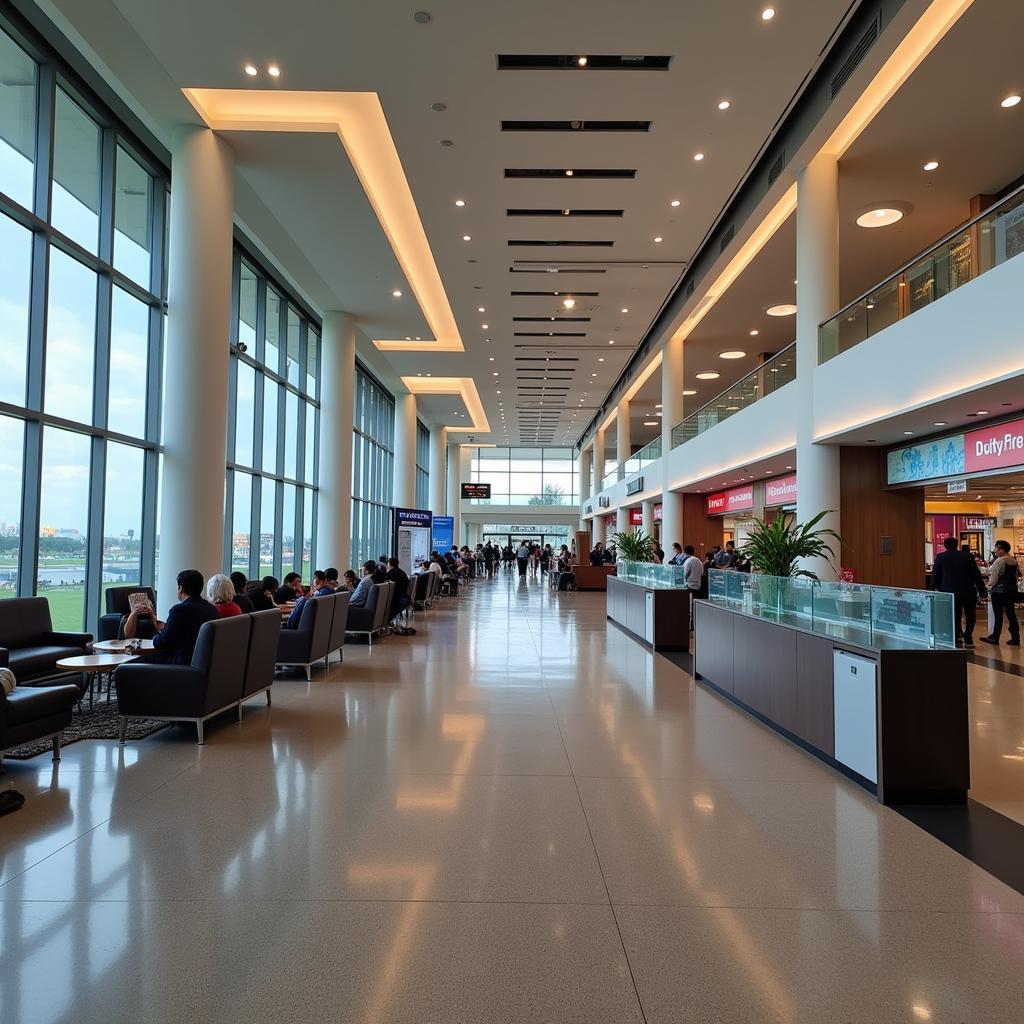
[(517, 815)]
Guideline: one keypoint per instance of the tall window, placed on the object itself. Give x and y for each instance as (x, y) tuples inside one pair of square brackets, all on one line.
[(422, 466), (272, 452), (527, 476), (373, 457), (82, 212)]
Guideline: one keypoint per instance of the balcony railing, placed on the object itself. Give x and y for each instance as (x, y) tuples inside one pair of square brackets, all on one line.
[(989, 239), (767, 378), (640, 460)]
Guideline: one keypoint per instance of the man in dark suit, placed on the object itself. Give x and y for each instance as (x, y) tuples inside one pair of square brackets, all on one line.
[(957, 573), (176, 641), (397, 575)]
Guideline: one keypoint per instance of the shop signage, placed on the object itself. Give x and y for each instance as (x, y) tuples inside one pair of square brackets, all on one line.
[(943, 526), (943, 457), (956, 487), (848, 575), (738, 499), (995, 447), (657, 513), (482, 491), (781, 491), (604, 502), (412, 518), (635, 486), (588, 508), (976, 522), (636, 517), (443, 533)]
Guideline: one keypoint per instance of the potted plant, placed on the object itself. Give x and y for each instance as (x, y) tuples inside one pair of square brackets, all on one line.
[(635, 546), (774, 548)]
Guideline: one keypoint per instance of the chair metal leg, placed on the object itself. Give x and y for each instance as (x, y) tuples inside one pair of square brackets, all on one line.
[(199, 733), (56, 748), (239, 711), (268, 697), (308, 673), (122, 729)]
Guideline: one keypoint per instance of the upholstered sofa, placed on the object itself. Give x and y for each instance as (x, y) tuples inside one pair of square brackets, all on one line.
[(33, 713), (29, 645)]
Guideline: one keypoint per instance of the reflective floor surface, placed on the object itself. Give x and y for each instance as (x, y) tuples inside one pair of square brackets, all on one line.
[(517, 815)]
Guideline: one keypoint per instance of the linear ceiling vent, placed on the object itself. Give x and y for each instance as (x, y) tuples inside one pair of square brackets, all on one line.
[(556, 270), (563, 212), (859, 52), (551, 319), (576, 126), (549, 334), (555, 295), (592, 243), (776, 168), (727, 238), (570, 172), (581, 62)]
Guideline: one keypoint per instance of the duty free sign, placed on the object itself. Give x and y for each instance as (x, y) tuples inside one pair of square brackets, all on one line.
[(995, 447)]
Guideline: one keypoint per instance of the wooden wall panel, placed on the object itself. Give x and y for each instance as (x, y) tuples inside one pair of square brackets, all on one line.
[(699, 529), (870, 513)]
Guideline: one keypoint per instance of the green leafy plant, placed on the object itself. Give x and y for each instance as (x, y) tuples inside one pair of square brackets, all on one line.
[(635, 547), (775, 547)]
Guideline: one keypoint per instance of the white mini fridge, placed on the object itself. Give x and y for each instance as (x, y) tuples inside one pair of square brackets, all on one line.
[(855, 713)]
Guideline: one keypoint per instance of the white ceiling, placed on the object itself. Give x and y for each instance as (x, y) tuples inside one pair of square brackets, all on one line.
[(306, 206)]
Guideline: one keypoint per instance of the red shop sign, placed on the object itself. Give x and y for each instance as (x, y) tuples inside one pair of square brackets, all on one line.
[(994, 447), (739, 499), (780, 492), (636, 517), (657, 513)]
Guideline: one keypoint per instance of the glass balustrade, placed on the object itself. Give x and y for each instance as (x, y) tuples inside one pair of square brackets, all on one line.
[(649, 574), (983, 243)]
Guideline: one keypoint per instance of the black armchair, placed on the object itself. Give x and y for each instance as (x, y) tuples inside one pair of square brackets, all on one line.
[(303, 647), (117, 606), (261, 655), (339, 621), (29, 645), (35, 713), (211, 684), (371, 618)]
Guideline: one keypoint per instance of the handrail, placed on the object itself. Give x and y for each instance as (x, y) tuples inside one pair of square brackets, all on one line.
[(922, 254)]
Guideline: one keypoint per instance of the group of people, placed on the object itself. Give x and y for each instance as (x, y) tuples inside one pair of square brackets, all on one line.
[(956, 571)]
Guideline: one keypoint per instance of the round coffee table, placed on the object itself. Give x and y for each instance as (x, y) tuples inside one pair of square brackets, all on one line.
[(117, 646), (94, 665)]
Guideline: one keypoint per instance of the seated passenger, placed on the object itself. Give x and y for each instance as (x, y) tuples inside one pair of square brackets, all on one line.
[(351, 582), (597, 555), (400, 599), (294, 582), (240, 583), (220, 592), (362, 591), (176, 641), (261, 594)]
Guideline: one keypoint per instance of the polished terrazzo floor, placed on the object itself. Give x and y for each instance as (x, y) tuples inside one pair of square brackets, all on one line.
[(518, 815)]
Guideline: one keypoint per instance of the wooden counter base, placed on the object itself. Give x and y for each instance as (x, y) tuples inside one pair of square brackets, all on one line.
[(669, 625)]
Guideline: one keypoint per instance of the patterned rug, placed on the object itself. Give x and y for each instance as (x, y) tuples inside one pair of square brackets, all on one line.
[(101, 723)]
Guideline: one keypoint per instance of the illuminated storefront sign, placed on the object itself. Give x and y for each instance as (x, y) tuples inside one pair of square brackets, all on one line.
[(739, 499), (780, 492)]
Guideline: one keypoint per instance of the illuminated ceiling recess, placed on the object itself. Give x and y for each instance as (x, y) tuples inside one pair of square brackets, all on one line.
[(465, 388), (357, 118)]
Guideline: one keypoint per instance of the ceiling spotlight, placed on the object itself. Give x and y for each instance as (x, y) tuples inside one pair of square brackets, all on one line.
[(600, 359), (658, 238), (625, 309), (698, 156), (490, 359), (251, 70), (274, 71), (981, 412), (708, 375), (907, 433), (675, 202), (568, 303), (439, 108), (397, 294), (1011, 101), (581, 61), (768, 13), (568, 174), (932, 165), (754, 333), (494, 373), (781, 309), (484, 326), (480, 309), (689, 391), (732, 354), (724, 105), (880, 217), (467, 238), (650, 423), (460, 202), (611, 341)]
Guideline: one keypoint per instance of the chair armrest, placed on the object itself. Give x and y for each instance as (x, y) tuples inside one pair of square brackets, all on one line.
[(58, 639), (108, 625), (293, 645), (5, 657), (359, 618), (159, 689)]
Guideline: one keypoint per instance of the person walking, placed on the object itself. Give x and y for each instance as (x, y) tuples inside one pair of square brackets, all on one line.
[(956, 572), (1002, 588), (522, 558)]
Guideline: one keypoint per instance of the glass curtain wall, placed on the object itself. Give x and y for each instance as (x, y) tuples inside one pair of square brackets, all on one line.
[(422, 466), (373, 459), (272, 444), (527, 476), (82, 302)]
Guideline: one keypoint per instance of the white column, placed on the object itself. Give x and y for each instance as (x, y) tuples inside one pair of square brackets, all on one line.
[(647, 510), (465, 474), (586, 469), (405, 451), (438, 470), (196, 374), (334, 514), (673, 405), (622, 432), (598, 532), (817, 298), (598, 461), (622, 520)]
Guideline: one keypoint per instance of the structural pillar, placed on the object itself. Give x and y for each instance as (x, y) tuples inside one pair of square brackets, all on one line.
[(673, 405), (197, 358), (334, 516), (622, 519), (647, 511), (586, 469), (817, 298), (624, 449), (598, 532), (405, 451), (438, 469), (598, 461)]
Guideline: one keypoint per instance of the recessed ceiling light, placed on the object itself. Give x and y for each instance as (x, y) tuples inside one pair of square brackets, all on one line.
[(274, 71), (460, 202), (733, 408), (490, 359), (1010, 101), (624, 309), (754, 333), (484, 326), (480, 309), (397, 294), (932, 165), (611, 341), (568, 303), (568, 173), (497, 392), (940, 423), (781, 309), (650, 423), (251, 70), (734, 353), (658, 238), (708, 375), (768, 13), (675, 202), (593, 374), (880, 217), (600, 359), (467, 238), (982, 412), (907, 433), (698, 156), (581, 61), (689, 391), (724, 105), (494, 373), (657, 405)]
